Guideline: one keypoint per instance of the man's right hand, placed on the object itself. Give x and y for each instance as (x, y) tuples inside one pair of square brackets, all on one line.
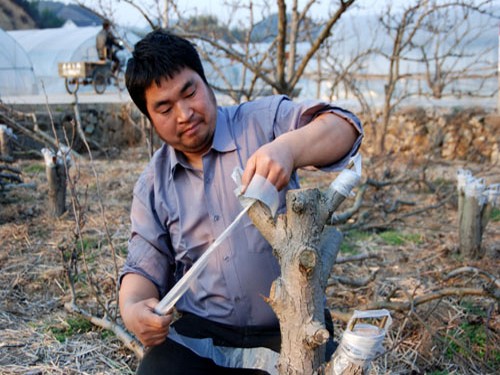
[(138, 297)]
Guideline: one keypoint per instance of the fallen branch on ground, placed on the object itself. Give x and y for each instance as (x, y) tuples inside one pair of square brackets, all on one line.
[(384, 225), (357, 283), (128, 340), (445, 338), (356, 258), (475, 271), (36, 134), (404, 306)]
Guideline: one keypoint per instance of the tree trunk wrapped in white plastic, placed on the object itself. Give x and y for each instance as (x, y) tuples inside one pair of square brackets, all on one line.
[(306, 248), (475, 203), (56, 166), (6, 136)]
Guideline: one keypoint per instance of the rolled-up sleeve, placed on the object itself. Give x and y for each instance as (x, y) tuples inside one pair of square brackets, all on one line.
[(292, 116), (149, 252)]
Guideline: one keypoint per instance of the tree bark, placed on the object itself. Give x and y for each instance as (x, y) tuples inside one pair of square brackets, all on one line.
[(306, 249), (5, 135), (56, 177), (55, 169), (475, 203), (471, 231)]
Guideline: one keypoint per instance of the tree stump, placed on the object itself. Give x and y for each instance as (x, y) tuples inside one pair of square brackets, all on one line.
[(306, 249), (475, 203), (56, 166), (6, 135)]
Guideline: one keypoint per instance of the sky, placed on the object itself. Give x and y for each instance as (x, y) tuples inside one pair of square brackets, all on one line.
[(126, 15)]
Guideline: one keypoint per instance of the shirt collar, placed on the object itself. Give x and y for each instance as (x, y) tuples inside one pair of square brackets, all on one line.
[(223, 141)]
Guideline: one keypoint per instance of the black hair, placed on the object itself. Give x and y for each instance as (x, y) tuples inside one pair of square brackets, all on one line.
[(160, 54)]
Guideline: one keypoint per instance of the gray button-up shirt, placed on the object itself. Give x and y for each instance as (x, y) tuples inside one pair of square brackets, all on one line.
[(177, 212)]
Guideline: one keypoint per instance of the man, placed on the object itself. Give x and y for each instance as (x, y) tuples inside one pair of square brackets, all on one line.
[(184, 199), (105, 42)]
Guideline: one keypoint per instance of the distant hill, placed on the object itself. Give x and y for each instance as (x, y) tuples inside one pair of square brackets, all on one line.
[(80, 16), (22, 15), (14, 17)]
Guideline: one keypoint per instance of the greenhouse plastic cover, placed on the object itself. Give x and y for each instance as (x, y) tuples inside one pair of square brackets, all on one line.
[(46, 48), (16, 71)]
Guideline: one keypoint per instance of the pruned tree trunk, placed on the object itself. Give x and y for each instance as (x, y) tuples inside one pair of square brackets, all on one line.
[(5, 142), (475, 203), (55, 168), (306, 249)]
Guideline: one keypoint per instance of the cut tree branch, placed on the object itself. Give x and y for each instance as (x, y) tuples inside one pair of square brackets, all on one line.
[(129, 341), (404, 306)]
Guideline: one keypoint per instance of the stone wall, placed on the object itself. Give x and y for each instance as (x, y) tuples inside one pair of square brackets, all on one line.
[(470, 134), (107, 126)]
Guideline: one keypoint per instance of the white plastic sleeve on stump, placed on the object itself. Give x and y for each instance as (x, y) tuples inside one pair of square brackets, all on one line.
[(475, 189), (64, 153), (463, 176), (8, 131), (348, 178), (48, 156), (492, 193)]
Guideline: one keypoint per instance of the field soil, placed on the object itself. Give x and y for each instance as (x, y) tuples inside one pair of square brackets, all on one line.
[(400, 252)]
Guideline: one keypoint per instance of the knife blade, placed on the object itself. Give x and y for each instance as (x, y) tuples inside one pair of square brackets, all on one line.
[(171, 298)]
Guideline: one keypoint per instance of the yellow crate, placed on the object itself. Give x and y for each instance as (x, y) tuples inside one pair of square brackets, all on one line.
[(79, 69), (72, 69)]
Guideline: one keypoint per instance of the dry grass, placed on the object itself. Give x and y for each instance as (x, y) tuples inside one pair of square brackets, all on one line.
[(37, 336)]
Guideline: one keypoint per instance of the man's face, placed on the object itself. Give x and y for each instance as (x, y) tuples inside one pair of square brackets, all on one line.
[(183, 111)]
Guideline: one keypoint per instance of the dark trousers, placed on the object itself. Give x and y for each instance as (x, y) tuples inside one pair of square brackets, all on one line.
[(174, 359)]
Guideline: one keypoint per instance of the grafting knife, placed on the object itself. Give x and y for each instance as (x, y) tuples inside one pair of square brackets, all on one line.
[(183, 284)]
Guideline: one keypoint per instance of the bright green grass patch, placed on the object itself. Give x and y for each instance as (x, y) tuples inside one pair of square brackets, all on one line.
[(495, 214), (473, 337), (34, 169), (72, 327), (348, 248), (472, 308), (349, 244), (106, 334), (396, 238), (90, 243)]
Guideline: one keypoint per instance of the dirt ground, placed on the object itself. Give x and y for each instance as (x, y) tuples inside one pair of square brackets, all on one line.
[(444, 322)]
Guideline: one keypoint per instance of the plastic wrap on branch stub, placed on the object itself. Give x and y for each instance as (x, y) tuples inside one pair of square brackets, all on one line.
[(492, 194), (348, 178), (258, 189), (474, 187), (52, 159), (463, 178), (362, 341), (8, 131)]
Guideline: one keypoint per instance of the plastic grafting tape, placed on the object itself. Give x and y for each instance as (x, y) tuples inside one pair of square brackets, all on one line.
[(348, 178), (259, 189)]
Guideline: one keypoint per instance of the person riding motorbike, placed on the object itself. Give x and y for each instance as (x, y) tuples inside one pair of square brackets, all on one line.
[(107, 44)]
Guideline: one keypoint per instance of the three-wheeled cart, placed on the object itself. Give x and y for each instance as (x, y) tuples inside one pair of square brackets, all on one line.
[(96, 73)]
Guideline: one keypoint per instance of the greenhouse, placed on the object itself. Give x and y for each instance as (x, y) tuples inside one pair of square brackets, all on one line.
[(46, 48), (16, 71)]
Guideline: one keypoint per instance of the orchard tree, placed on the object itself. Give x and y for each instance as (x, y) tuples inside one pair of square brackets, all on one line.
[(409, 33), (452, 49), (265, 47), (274, 53)]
